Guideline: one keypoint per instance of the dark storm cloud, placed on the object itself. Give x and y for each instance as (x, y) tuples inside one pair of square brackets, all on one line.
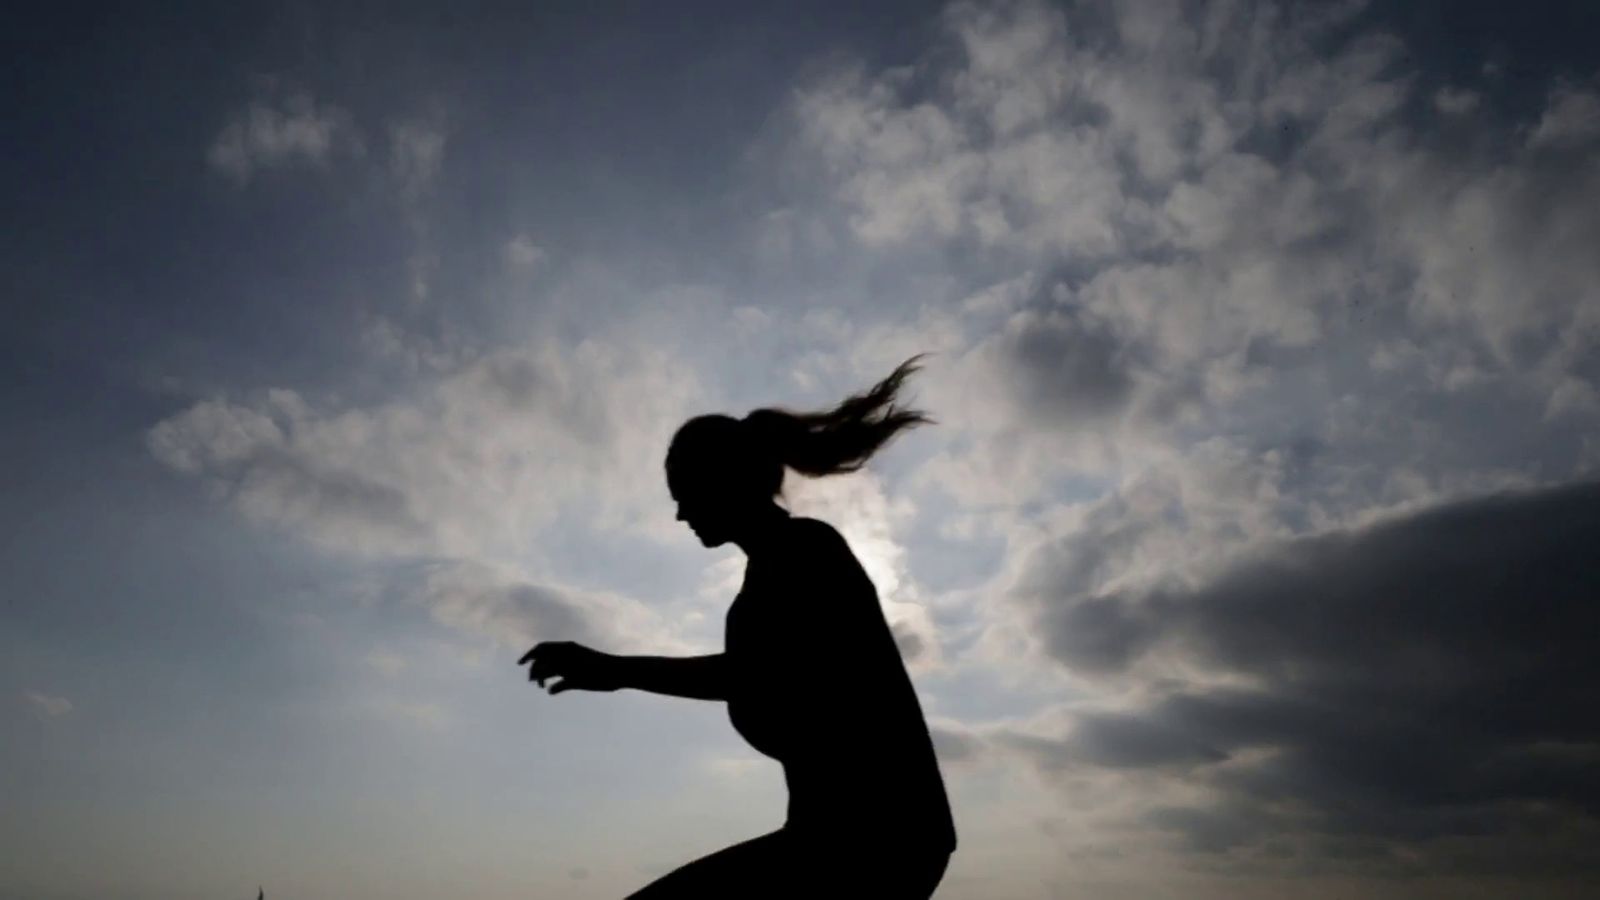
[(1131, 741), (1097, 634), (1064, 367), (1113, 741), (1207, 830), (1429, 677), (1092, 633), (1508, 580)]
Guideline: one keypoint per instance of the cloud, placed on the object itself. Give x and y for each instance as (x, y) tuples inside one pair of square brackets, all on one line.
[(1571, 119), (523, 253), (1456, 101), (1064, 366), (1220, 294), (47, 705), (1422, 679), (1025, 144), (473, 465), (486, 474), (1215, 208), (1493, 251), (299, 131), (954, 743), (416, 152), (256, 457), (416, 155), (478, 599)]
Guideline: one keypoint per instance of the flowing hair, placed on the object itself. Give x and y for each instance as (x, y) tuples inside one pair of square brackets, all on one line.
[(841, 439), (752, 453)]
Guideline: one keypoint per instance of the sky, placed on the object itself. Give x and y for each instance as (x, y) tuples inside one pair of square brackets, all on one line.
[(1251, 554)]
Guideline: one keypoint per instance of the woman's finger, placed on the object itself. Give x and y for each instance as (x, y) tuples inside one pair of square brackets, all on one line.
[(543, 648)]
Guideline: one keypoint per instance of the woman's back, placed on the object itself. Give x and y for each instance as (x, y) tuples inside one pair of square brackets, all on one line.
[(817, 682)]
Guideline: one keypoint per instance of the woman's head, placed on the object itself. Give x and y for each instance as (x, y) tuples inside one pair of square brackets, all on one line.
[(723, 471)]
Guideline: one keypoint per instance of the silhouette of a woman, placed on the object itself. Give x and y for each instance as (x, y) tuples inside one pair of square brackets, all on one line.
[(810, 671)]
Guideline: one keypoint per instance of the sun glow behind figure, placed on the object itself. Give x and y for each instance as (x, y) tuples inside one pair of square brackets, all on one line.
[(857, 505)]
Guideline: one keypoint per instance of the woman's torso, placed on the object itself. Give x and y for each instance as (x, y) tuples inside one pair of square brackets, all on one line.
[(817, 682)]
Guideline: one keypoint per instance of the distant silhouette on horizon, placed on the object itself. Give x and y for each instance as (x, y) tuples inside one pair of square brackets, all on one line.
[(810, 669)]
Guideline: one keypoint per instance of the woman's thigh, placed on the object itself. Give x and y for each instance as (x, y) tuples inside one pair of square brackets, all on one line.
[(739, 870), (780, 865)]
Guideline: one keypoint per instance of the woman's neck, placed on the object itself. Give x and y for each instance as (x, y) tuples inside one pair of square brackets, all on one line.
[(764, 530)]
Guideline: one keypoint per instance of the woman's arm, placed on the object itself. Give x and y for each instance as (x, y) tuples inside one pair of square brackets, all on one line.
[(695, 677), (586, 669)]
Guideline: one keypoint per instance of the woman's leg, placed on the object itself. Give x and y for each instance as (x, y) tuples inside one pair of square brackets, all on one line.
[(787, 865), (737, 871)]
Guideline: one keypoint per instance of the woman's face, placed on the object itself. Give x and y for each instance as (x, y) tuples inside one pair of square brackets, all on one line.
[(703, 511)]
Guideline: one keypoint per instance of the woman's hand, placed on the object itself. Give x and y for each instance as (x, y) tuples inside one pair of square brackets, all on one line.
[(578, 667)]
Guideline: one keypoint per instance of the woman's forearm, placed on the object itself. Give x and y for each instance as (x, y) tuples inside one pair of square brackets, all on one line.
[(696, 677)]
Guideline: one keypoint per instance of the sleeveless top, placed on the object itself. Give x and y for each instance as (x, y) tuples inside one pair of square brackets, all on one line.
[(816, 682)]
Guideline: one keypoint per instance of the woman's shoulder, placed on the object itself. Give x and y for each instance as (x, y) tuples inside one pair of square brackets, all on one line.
[(817, 533), (820, 548)]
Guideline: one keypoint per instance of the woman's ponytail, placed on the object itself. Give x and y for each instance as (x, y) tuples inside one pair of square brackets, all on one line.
[(841, 439)]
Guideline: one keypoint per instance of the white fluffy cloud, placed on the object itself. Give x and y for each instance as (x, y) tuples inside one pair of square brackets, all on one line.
[(473, 469), (1205, 197), (472, 466), (1572, 119), (298, 131)]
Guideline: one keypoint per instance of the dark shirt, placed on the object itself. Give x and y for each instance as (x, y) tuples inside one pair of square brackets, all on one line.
[(816, 682)]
